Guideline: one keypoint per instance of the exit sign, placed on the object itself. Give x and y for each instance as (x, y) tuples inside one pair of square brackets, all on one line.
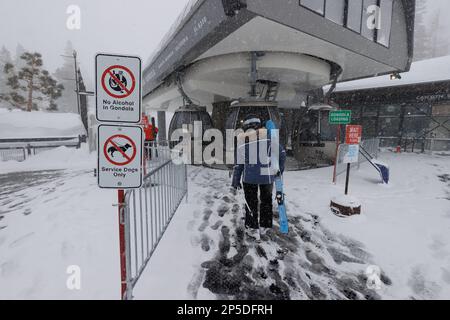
[(340, 117)]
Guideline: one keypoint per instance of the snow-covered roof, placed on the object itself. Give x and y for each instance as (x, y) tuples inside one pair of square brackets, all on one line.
[(437, 69)]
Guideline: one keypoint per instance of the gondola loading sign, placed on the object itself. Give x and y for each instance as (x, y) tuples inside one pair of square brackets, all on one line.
[(118, 88), (119, 157)]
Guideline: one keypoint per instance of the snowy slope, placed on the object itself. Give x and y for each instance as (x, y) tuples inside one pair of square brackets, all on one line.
[(38, 124)]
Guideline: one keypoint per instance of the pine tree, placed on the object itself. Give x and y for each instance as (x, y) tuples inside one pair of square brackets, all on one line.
[(50, 88), (65, 75), (5, 58), (12, 96), (422, 39), (31, 86)]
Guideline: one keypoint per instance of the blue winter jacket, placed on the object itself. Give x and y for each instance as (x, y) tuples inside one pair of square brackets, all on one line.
[(252, 163)]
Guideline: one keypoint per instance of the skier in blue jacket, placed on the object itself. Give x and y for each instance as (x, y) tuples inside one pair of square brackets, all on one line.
[(253, 166)]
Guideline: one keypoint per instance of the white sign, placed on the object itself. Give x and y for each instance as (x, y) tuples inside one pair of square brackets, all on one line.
[(119, 157), (118, 88), (352, 154)]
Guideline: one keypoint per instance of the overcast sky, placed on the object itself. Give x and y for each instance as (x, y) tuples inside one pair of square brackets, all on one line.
[(127, 26), (112, 26)]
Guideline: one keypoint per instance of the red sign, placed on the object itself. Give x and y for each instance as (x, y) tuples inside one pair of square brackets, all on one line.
[(119, 150), (118, 81), (353, 134)]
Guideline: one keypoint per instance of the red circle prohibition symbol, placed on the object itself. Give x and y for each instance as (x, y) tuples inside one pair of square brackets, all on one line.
[(121, 149), (119, 83)]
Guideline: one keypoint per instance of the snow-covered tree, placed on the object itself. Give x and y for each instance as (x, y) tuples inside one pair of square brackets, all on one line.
[(5, 58), (31, 87), (66, 76)]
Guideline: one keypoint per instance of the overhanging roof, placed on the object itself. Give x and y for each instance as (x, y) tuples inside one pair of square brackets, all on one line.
[(206, 24), (432, 70)]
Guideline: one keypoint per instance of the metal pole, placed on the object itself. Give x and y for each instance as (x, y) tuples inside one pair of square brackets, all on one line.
[(338, 142), (77, 87), (253, 74), (347, 178), (123, 259)]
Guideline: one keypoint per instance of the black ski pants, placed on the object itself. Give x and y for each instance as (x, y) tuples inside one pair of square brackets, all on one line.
[(265, 212)]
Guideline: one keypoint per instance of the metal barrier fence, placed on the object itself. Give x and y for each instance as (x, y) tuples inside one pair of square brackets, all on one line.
[(149, 210), (19, 149), (416, 144), (13, 153), (372, 146)]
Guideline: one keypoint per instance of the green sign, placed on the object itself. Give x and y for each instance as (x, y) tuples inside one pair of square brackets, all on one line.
[(340, 117)]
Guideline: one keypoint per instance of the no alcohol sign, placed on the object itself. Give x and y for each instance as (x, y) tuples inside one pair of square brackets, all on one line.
[(118, 88), (119, 157)]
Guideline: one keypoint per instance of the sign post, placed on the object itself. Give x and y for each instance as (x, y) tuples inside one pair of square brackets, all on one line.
[(353, 136), (118, 88), (119, 157), (339, 118), (118, 101)]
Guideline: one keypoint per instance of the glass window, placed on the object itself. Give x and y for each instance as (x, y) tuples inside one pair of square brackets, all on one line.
[(423, 110), (370, 111), (369, 128), (415, 127), (231, 119), (384, 34), (354, 15), (334, 11), (370, 19), (389, 127), (356, 114), (315, 5), (244, 112), (328, 132), (390, 111)]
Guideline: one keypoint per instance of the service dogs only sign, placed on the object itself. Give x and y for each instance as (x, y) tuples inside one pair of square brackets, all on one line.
[(119, 157), (118, 88)]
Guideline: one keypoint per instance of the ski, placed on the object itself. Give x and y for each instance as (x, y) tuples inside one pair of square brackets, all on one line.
[(274, 137), (283, 220)]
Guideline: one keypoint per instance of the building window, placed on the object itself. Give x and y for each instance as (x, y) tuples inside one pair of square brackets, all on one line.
[(384, 34), (369, 20), (372, 19), (335, 10), (354, 15), (389, 127), (314, 5)]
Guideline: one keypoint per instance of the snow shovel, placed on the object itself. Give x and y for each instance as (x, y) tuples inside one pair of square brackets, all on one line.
[(382, 168)]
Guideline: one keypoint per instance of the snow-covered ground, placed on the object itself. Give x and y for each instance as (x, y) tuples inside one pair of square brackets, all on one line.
[(52, 219), (404, 230), (39, 124)]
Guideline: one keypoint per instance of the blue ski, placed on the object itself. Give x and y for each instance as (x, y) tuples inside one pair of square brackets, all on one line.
[(274, 136), (284, 225)]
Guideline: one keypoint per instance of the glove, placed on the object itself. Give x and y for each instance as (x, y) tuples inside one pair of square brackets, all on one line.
[(238, 186)]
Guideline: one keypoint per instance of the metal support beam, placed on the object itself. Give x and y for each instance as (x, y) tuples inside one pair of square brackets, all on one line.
[(162, 133)]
